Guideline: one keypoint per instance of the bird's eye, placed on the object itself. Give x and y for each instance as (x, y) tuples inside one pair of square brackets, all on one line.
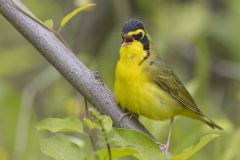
[(138, 36)]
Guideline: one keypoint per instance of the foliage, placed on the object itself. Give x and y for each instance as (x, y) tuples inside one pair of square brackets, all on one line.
[(74, 13), (54, 125), (190, 151), (49, 23), (126, 142), (60, 148)]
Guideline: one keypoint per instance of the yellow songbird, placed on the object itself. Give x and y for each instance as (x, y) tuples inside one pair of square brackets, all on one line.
[(145, 85)]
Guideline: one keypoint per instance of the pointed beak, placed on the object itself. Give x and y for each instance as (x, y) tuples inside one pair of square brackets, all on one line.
[(126, 38)]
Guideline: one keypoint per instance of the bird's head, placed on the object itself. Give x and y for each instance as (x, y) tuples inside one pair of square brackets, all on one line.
[(133, 30)]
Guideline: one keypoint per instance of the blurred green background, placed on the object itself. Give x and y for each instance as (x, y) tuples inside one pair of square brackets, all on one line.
[(199, 39)]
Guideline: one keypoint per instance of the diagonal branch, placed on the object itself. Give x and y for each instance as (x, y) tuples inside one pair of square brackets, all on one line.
[(62, 58)]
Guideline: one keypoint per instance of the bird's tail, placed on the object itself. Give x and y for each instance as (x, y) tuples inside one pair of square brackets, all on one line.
[(210, 123)]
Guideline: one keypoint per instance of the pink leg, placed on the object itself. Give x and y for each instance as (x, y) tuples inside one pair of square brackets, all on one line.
[(165, 147)]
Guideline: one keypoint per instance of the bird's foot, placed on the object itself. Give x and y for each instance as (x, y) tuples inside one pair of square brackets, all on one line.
[(164, 148), (131, 115), (124, 115)]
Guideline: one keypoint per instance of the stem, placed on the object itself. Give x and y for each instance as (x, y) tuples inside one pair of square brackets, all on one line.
[(89, 131), (106, 140)]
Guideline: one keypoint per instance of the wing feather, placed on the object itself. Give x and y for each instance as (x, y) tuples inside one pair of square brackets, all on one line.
[(166, 79)]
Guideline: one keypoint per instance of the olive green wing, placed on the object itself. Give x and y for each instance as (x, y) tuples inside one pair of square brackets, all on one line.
[(166, 79)]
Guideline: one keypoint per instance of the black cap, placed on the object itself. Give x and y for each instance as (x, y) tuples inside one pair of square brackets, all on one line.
[(132, 25)]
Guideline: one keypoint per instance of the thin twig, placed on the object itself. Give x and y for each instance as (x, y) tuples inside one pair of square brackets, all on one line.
[(100, 121), (89, 131), (106, 141)]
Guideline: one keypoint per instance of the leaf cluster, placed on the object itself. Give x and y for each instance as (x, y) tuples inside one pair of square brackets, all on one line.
[(124, 143)]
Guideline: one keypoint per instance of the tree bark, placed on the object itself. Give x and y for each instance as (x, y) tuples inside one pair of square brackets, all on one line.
[(78, 75)]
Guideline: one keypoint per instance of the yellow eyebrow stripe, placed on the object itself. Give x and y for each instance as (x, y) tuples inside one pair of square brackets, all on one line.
[(136, 32)]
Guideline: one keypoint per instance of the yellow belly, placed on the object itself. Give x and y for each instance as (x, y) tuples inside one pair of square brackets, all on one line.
[(136, 93)]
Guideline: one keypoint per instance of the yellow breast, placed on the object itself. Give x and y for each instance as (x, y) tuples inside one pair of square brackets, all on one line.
[(135, 92)]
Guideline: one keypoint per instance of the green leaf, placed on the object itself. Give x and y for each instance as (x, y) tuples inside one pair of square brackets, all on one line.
[(94, 113), (102, 120), (147, 149), (49, 23), (190, 151), (75, 12), (69, 124), (91, 124), (60, 148), (107, 123), (76, 141), (116, 152)]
